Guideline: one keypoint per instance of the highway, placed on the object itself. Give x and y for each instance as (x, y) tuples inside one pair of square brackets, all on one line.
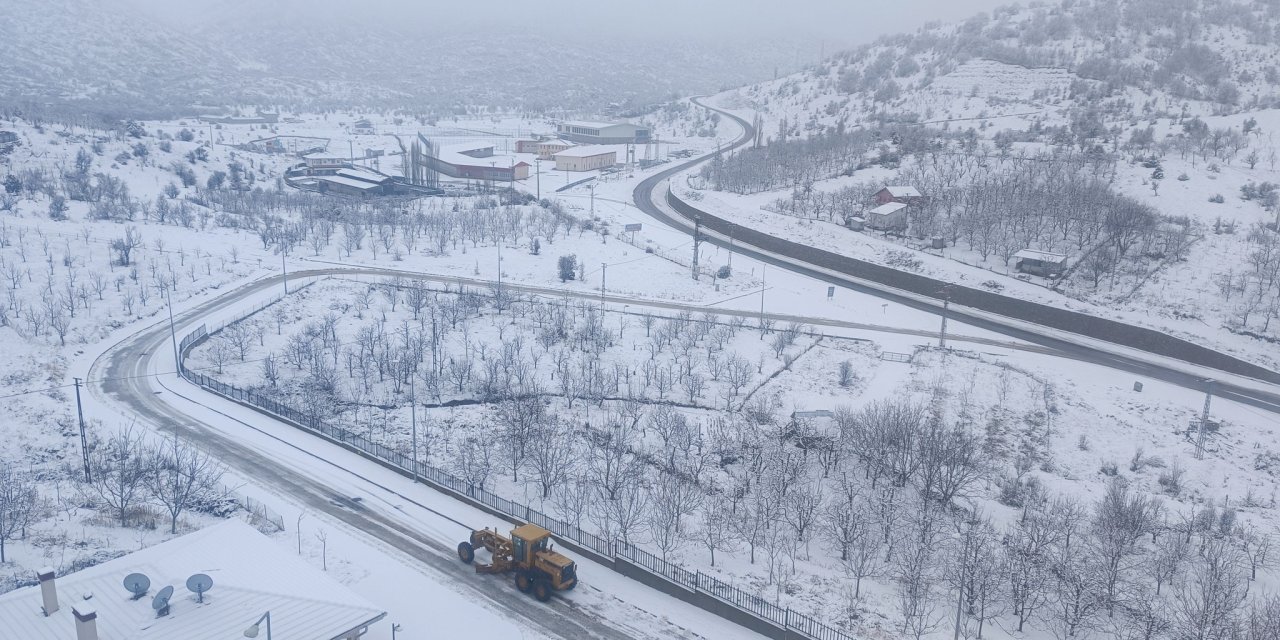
[(650, 198)]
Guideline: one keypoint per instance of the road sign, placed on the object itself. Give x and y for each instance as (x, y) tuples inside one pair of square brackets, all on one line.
[(831, 292), (631, 228)]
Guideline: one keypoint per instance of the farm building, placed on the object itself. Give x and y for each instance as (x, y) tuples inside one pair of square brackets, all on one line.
[(547, 149), (603, 132), (1040, 263), (585, 158), (902, 194), (363, 127), (247, 575), (888, 217)]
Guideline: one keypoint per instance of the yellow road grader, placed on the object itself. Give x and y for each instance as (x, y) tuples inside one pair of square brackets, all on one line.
[(528, 555)]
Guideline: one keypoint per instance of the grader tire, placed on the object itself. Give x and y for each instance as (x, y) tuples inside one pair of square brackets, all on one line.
[(541, 591), (523, 582), (466, 552)]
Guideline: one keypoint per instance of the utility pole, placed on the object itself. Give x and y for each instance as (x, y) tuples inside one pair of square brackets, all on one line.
[(498, 300), (84, 442), (537, 172), (413, 418), (763, 268), (284, 270), (592, 187), (942, 333), (173, 334), (603, 268), (697, 243), (1204, 419)]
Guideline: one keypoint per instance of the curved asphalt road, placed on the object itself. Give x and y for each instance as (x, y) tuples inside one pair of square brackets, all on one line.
[(653, 189), (123, 375)]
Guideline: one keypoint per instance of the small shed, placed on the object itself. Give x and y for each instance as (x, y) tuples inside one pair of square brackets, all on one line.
[(888, 217), (1040, 263)]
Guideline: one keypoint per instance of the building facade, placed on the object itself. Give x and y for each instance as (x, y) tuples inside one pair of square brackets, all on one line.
[(585, 159), (603, 132)]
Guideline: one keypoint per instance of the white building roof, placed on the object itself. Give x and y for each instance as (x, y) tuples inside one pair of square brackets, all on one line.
[(349, 182), (360, 173), (903, 192), (587, 151), (888, 209), (592, 125), (1043, 256), (251, 575)]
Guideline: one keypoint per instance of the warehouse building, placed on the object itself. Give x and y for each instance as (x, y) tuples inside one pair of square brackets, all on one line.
[(586, 158), (603, 132), (547, 149)]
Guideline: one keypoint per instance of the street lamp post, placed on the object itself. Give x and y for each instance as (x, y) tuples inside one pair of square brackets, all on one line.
[(173, 334), (252, 631)]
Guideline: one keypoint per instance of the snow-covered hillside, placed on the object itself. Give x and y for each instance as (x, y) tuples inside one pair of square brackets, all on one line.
[(108, 57)]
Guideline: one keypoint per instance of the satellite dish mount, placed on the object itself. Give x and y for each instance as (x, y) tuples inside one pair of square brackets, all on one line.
[(137, 584), (199, 584)]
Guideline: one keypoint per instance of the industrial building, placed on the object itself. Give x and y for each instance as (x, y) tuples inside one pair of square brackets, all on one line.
[(220, 582), (356, 182), (474, 161), (585, 158), (603, 132)]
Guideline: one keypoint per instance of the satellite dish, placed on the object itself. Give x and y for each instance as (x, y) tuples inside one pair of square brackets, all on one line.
[(199, 583), (137, 584), (161, 602)]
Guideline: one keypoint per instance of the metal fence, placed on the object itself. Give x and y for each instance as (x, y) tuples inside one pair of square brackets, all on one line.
[(784, 618)]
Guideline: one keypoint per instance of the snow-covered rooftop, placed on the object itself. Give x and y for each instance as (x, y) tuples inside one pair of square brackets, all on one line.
[(349, 182), (251, 575), (360, 173), (887, 209), (903, 191), (326, 155), (1043, 256), (591, 125), (586, 151)]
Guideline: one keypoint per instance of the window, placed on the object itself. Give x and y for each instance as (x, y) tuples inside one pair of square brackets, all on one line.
[(517, 549)]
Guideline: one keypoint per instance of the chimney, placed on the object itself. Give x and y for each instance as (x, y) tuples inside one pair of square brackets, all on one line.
[(48, 590), (86, 621)]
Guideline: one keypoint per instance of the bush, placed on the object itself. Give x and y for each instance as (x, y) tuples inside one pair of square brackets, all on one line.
[(1171, 479), (567, 266), (1217, 198), (724, 272), (847, 376), (1110, 468)]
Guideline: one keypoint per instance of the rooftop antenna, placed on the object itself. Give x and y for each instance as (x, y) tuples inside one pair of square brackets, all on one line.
[(137, 584), (161, 602), (199, 583)]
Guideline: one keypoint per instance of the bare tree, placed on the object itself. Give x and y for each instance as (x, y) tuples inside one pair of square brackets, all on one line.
[(551, 453), (18, 501), (1207, 604), (715, 527), (672, 500), (182, 477), (120, 471)]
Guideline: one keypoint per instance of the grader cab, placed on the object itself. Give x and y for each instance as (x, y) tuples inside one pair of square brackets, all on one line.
[(528, 555)]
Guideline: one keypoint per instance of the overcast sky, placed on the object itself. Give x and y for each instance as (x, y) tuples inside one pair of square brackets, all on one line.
[(839, 22)]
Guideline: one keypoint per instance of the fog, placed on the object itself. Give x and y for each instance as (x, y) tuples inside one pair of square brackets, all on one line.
[(829, 23)]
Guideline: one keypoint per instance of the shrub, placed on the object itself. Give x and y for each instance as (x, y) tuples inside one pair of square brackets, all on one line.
[(724, 272), (1217, 198), (567, 266)]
